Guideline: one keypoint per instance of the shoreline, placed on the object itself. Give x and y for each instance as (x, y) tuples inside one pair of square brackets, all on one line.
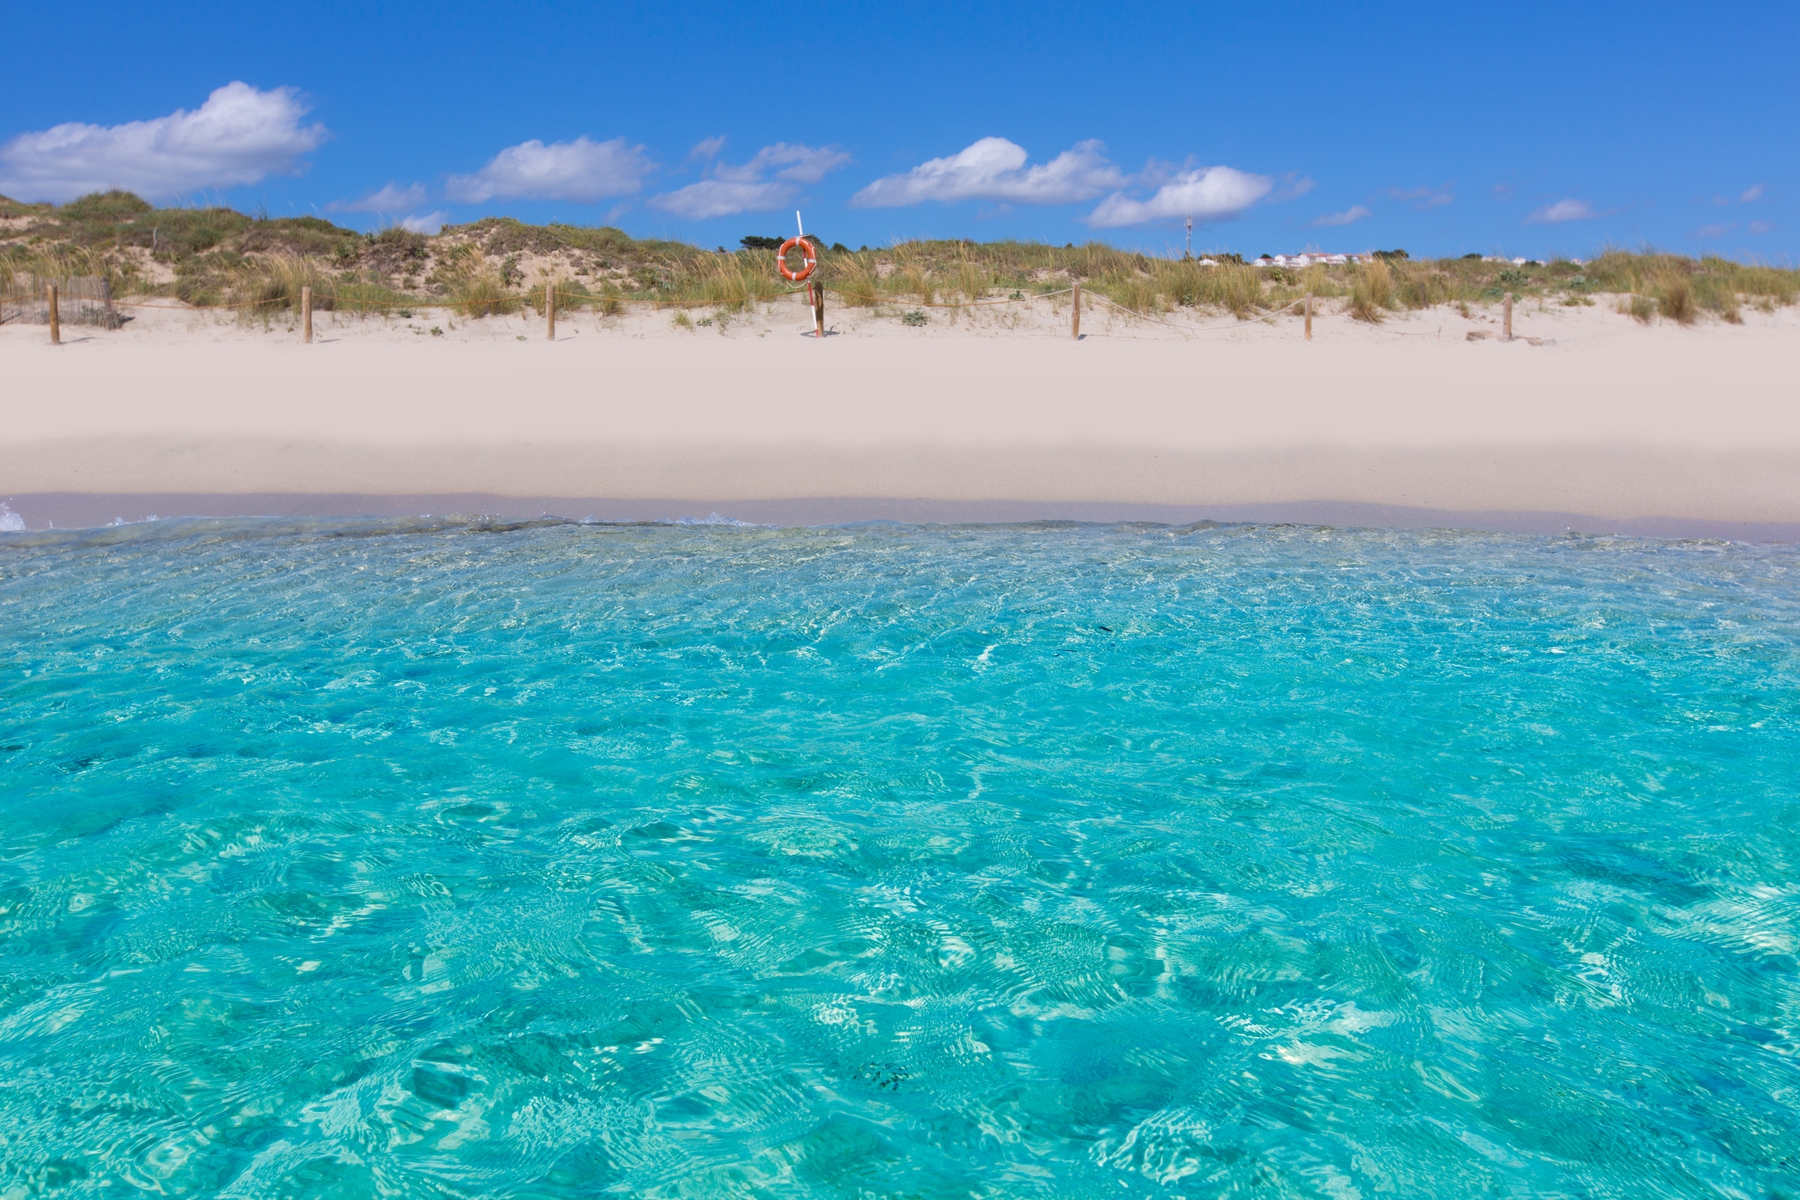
[(1603, 426), (84, 512)]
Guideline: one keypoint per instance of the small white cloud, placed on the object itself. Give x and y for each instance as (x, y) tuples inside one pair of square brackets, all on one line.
[(994, 169), (1209, 194), (746, 188), (240, 135), (1752, 194), (721, 198), (707, 147), (389, 199), (429, 222), (1563, 210), (1760, 227), (581, 171), (1424, 197), (802, 164), (1349, 216), (1714, 231)]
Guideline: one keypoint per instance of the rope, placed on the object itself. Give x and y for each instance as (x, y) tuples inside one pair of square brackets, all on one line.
[(575, 299), (1140, 316), (175, 304), (959, 304), (1236, 324), (186, 307)]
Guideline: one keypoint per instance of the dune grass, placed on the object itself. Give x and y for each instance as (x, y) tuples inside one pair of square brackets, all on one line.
[(498, 265), (1372, 291)]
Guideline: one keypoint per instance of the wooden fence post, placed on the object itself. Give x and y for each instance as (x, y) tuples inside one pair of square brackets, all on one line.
[(549, 310), (1508, 303), (306, 315), (1309, 318), (818, 307), (55, 321), (1075, 315)]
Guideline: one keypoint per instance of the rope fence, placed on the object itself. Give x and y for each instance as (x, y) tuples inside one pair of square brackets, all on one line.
[(88, 300)]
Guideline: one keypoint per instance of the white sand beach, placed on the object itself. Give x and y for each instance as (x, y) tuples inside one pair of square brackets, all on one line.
[(1588, 419)]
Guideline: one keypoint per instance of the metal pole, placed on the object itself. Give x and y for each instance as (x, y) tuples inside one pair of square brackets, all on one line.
[(306, 315), (55, 322), (1075, 317)]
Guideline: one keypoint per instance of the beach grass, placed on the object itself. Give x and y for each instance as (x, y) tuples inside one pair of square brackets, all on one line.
[(1675, 297), (214, 255), (1372, 292)]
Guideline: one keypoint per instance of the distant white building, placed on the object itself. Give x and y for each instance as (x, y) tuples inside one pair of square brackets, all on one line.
[(1302, 261)]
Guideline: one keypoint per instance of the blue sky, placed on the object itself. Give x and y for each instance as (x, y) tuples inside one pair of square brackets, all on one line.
[(1515, 128)]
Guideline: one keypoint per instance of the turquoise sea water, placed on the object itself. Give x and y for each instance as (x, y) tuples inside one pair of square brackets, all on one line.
[(447, 860)]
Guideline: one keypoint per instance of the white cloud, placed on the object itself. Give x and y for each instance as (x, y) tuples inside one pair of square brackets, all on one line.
[(802, 164), (1752, 194), (1714, 231), (1349, 216), (1424, 197), (721, 198), (581, 171), (1291, 189), (240, 135), (391, 198), (429, 222), (1563, 210), (1208, 194), (994, 169), (707, 147), (1760, 227), (745, 188)]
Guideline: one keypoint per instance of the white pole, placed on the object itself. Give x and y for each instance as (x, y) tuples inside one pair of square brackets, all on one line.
[(798, 222)]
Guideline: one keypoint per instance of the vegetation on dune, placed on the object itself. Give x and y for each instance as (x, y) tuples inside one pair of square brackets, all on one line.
[(498, 265), (1372, 291)]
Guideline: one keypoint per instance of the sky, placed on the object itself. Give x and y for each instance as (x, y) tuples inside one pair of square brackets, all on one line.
[(1507, 128)]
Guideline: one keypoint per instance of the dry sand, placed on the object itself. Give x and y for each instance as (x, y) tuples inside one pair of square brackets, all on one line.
[(988, 414)]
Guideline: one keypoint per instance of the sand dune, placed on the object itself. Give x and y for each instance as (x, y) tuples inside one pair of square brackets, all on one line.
[(991, 415)]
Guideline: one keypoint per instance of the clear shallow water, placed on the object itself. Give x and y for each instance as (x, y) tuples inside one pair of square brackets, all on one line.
[(351, 860)]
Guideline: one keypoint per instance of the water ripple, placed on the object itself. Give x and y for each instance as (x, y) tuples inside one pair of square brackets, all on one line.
[(439, 858)]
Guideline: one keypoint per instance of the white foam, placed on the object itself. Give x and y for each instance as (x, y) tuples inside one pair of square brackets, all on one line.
[(10, 521), (716, 519)]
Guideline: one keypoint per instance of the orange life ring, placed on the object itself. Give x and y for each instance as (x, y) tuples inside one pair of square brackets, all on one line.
[(806, 248)]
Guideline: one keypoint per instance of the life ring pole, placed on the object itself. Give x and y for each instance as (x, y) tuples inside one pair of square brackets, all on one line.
[(815, 291)]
